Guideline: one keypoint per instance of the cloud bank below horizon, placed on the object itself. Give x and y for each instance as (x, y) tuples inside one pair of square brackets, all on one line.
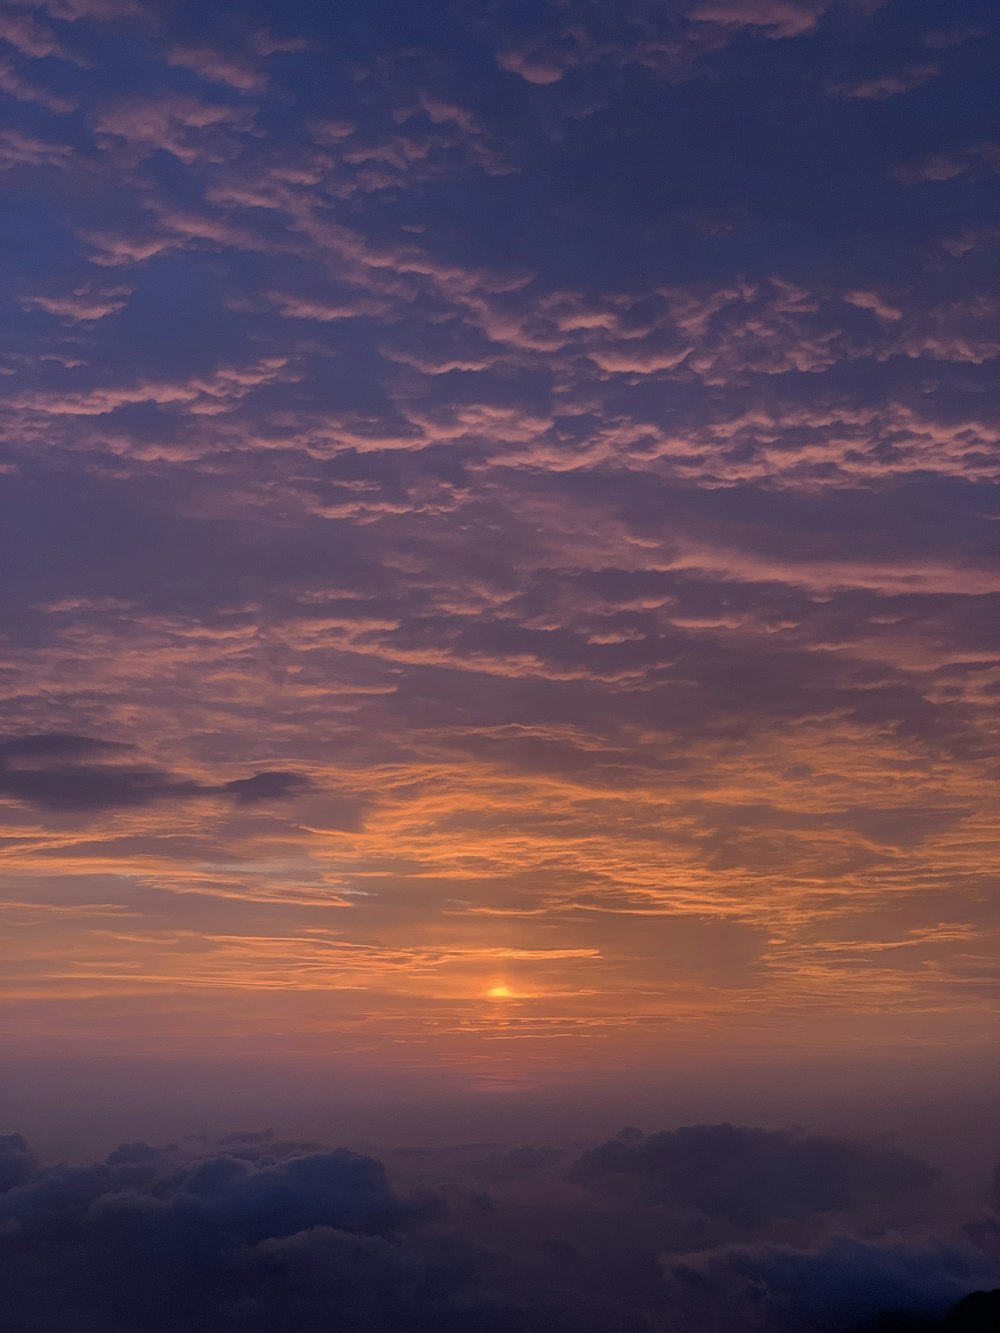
[(701, 1228)]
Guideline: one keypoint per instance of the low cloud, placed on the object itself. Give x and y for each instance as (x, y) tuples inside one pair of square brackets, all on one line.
[(748, 1177), (251, 1235), (767, 1289)]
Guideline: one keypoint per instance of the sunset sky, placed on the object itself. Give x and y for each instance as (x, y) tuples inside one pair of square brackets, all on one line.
[(498, 558)]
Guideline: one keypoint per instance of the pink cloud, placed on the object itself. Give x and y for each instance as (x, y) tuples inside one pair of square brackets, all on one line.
[(888, 85), (188, 128), (782, 18), (233, 70), (533, 68), (75, 11), (83, 305), (875, 303), (981, 158), (17, 149), (23, 33), (14, 85)]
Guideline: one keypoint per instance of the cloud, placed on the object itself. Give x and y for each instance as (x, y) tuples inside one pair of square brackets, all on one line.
[(533, 67), (82, 305), (18, 149), (780, 18), (504, 1165), (54, 743), (251, 1236), (188, 128), (79, 787), (233, 70), (94, 11), (265, 787), (879, 87), (16, 85), (979, 159), (749, 1177), (30, 37), (17, 1162), (255, 1233), (766, 1289), (875, 303)]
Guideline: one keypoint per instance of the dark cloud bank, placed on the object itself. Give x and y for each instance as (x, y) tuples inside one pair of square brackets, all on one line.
[(705, 1229)]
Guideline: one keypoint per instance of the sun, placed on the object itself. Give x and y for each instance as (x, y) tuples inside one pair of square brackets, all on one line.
[(499, 993)]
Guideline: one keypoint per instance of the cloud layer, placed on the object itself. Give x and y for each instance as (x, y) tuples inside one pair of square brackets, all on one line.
[(251, 1234)]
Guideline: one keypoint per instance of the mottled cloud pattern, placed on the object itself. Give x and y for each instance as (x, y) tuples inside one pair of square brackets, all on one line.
[(499, 535)]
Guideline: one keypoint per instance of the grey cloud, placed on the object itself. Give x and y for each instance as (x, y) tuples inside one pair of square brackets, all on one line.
[(80, 787), (268, 786), (17, 1162), (70, 787), (253, 1235), (750, 1177), (774, 1289), (55, 743), (244, 1243), (516, 1163)]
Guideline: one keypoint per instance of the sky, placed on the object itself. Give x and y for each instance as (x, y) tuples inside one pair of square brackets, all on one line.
[(498, 573), (498, 666)]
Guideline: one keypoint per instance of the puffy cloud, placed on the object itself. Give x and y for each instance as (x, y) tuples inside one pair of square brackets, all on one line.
[(242, 1241), (252, 1232), (746, 1289), (17, 1162), (749, 1177)]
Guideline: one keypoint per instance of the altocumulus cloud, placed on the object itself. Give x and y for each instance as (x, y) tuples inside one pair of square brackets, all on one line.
[(252, 1235)]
